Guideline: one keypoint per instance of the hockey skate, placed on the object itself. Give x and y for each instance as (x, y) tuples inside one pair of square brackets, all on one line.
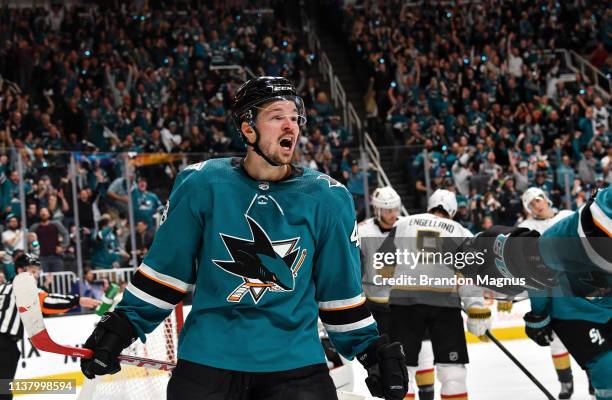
[(567, 389)]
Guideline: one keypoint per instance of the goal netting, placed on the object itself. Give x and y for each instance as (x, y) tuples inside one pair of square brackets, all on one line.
[(136, 383)]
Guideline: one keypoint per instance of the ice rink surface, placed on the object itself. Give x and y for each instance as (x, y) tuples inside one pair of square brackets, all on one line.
[(491, 375)]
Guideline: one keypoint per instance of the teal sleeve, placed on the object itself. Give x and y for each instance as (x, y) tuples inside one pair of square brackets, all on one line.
[(168, 270), (352, 343), (540, 305), (141, 314), (337, 274), (580, 242)]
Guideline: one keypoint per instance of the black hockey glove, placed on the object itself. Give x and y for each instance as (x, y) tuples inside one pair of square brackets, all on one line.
[(113, 333), (386, 366), (537, 327), (509, 253)]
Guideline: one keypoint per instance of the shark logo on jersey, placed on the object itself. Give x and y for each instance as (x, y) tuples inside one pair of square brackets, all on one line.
[(264, 265)]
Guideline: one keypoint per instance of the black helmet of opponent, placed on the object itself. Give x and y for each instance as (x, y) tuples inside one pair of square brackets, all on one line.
[(255, 93), (24, 260)]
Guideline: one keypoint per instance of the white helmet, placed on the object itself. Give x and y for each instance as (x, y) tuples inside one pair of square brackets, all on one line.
[(386, 198), (531, 194), (445, 199)]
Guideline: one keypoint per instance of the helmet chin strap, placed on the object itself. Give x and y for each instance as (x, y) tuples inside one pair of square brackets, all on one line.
[(378, 214), (255, 147)]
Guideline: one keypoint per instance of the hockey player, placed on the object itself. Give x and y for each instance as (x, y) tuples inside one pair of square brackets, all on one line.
[(269, 247), (11, 328), (541, 216), (436, 307), (376, 235), (579, 309), (515, 254), (572, 263), (373, 231)]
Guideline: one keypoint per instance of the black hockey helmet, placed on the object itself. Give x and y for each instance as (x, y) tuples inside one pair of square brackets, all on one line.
[(24, 260), (259, 91)]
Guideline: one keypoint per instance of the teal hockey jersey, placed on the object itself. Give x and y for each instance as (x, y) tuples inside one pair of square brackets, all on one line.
[(580, 247), (582, 241), (266, 260)]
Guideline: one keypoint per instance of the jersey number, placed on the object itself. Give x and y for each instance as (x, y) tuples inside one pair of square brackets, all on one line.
[(428, 243), (355, 236), (427, 240)]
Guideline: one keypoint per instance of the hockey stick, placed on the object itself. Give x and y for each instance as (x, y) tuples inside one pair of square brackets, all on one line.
[(521, 366), (28, 304), (518, 363)]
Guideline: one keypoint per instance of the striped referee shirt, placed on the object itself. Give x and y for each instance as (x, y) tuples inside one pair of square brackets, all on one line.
[(9, 320), (10, 323)]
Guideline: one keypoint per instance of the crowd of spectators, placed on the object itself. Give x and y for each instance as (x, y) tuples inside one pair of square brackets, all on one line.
[(484, 88), (123, 84), (478, 85)]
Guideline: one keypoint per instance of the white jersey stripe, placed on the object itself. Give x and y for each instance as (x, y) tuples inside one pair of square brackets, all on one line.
[(589, 250), (147, 298), (600, 218), (350, 327), (166, 279), (340, 304)]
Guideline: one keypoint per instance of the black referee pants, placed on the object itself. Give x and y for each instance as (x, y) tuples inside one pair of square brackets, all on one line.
[(8, 363)]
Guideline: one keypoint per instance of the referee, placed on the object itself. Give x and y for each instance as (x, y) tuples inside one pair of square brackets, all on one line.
[(11, 328)]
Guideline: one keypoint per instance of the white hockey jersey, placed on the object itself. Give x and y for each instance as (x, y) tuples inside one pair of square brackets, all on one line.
[(541, 225), (426, 253), (373, 242)]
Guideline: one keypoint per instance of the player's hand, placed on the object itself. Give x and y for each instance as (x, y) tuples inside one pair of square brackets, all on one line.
[(504, 306), (510, 253), (89, 302), (113, 333), (479, 322), (537, 327), (386, 366)]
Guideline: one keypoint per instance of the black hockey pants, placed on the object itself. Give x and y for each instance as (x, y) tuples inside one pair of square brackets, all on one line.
[(192, 381)]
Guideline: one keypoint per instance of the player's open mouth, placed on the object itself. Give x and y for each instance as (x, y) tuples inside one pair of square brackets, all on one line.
[(286, 142)]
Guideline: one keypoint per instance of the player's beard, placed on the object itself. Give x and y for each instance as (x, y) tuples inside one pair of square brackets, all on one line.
[(388, 220), (273, 152)]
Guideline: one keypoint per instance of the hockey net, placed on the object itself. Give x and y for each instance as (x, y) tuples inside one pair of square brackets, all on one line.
[(135, 383)]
